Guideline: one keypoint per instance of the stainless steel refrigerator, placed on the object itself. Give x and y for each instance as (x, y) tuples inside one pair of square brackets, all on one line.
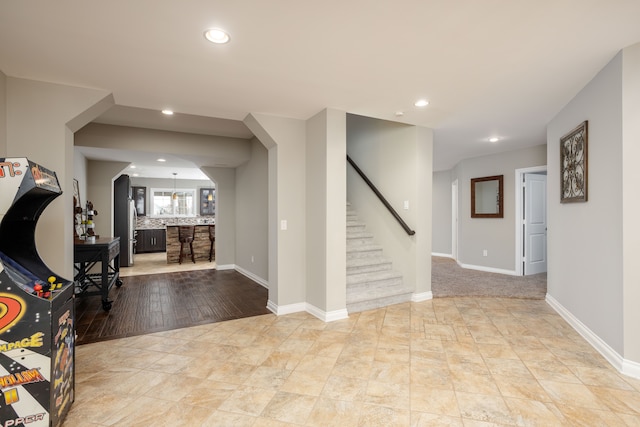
[(124, 219)]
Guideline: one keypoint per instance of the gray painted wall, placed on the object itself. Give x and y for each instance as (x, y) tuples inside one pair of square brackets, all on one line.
[(326, 210), (631, 201), (252, 202), (100, 177), (441, 208), (41, 121), (496, 235), (225, 179), (3, 114), (285, 139), (230, 152), (585, 239)]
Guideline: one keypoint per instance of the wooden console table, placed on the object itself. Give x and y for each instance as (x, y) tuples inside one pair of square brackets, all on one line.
[(86, 255)]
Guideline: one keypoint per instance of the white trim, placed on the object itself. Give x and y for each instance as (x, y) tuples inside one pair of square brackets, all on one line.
[(422, 296), (630, 368), (488, 269), (226, 267), (250, 275), (626, 367), (272, 307), (454, 219), (286, 309), (327, 316), (442, 255), (519, 173)]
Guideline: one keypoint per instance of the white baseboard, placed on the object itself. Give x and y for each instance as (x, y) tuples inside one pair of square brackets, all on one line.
[(250, 275), (226, 267), (286, 309), (327, 316), (422, 296), (630, 368), (626, 367), (488, 269), (442, 255)]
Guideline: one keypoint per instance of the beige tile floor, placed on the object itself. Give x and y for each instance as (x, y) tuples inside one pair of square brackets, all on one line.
[(445, 362), (156, 263)]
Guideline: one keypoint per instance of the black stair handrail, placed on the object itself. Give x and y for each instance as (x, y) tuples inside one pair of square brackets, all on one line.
[(403, 224)]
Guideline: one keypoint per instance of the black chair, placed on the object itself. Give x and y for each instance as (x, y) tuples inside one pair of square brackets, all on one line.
[(186, 234), (212, 239)]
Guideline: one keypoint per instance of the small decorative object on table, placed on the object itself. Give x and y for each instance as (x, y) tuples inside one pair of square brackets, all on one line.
[(88, 225)]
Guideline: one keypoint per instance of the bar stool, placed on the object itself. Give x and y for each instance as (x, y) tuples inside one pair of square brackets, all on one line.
[(212, 239), (186, 234)]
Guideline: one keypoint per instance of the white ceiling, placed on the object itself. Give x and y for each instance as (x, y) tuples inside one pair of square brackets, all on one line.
[(490, 67)]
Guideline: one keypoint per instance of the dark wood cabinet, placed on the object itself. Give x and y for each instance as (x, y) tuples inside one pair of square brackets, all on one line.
[(151, 241), (207, 201), (139, 195)]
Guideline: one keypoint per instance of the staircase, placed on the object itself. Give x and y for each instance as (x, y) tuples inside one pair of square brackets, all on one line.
[(371, 283)]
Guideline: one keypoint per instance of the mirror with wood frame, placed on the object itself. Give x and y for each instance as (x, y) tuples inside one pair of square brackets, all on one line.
[(487, 194)]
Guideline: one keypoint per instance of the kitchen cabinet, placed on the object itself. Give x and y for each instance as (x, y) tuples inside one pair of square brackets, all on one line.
[(139, 195), (154, 240), (207, 201)]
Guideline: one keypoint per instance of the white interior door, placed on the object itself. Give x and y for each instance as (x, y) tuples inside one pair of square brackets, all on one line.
[(535, 223)]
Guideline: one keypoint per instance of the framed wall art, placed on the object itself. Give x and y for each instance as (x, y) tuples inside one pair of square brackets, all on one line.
[(573, 165)]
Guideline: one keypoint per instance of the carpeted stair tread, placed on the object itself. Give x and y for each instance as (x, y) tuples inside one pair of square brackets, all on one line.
[(364, 250), (371, 277)]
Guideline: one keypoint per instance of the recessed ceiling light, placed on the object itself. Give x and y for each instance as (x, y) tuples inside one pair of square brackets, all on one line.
[(216, 35), (421, 103), (167, 112), (494, 139), (162, 160), (399, 113), (135, 174), (132, 167)]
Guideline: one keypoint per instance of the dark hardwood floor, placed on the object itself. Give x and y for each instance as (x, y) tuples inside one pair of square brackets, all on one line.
[(160, 302)]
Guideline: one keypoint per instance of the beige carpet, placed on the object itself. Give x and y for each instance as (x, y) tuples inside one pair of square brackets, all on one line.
[(448, 279)]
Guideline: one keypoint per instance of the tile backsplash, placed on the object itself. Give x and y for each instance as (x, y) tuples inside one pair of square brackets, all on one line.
[(145, 222)]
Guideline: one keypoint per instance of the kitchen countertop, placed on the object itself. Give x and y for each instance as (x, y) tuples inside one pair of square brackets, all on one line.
[(187, 225)]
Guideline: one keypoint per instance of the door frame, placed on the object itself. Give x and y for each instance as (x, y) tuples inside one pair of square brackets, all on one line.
[(519, 199), (454, 219)]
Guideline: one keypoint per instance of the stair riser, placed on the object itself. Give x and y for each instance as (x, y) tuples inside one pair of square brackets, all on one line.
[(364, 254), (359, 241), (377, 303), (368, 268), (378, 286)]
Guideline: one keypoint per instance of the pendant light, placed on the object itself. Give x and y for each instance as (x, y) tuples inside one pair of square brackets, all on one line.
[(210, 196), (174, 196)]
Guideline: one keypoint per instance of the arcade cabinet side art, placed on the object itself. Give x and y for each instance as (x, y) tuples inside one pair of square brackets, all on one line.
[(37, 330)]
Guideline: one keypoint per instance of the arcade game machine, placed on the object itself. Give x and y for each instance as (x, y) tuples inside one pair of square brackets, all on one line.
[(37, 331)]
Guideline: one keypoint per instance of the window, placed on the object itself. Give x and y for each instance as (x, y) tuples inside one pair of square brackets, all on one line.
[(165, 205)]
